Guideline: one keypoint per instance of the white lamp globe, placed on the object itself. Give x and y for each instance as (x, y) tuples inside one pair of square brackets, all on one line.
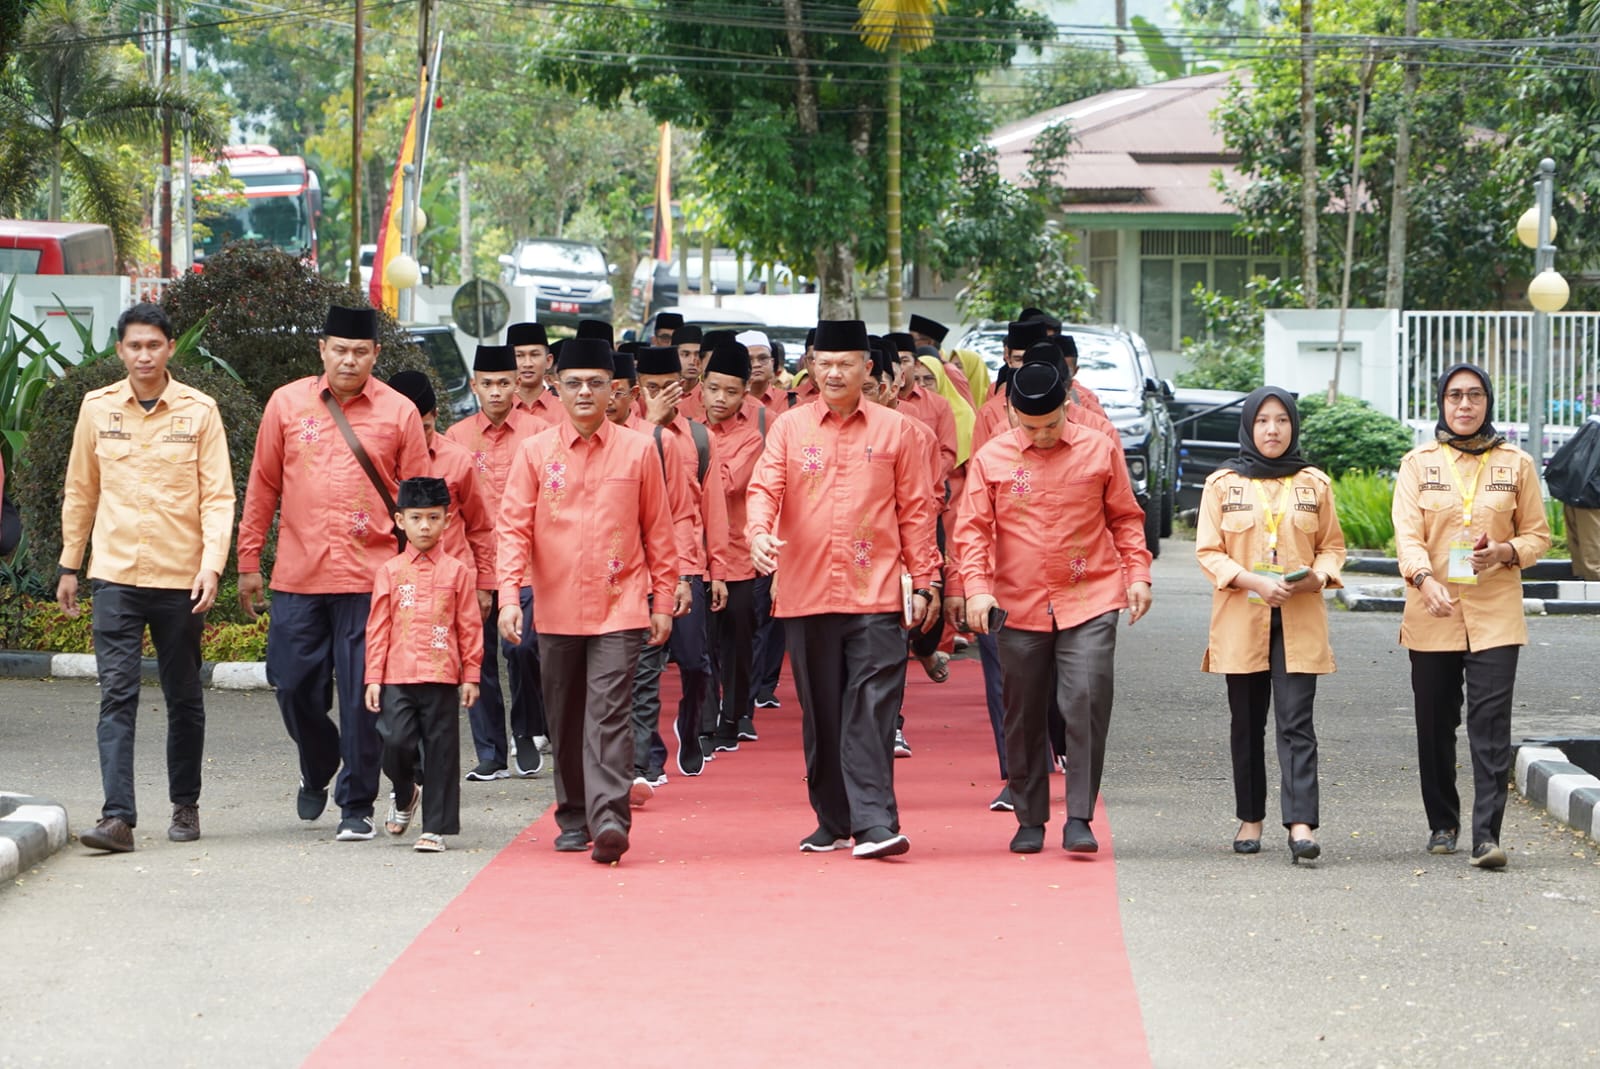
[(1548, 291), (402, 272)]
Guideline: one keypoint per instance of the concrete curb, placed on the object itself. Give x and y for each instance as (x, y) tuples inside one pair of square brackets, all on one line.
[(31, 829), (1545, 777), (1540, 598), (224, 675)]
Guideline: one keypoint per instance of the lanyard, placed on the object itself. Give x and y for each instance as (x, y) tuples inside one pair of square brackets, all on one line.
[(1274, 518), (1468, 495)]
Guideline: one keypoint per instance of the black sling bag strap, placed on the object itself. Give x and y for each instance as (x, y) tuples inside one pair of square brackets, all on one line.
[(365, 461)]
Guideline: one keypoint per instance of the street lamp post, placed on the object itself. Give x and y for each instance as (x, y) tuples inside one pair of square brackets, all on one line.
[(1547, 292)]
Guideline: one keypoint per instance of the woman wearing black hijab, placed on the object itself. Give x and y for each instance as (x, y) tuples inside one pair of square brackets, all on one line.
[(1468, 517), (1269, 540)]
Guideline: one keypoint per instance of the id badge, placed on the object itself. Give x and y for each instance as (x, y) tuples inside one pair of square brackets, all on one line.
[(1263, 568), (1460, 570)]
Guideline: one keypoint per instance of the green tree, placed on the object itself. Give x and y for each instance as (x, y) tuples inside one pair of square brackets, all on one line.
[(1073, 73), (789, 104), (70, 98), (1001, 239), (1458, 207)]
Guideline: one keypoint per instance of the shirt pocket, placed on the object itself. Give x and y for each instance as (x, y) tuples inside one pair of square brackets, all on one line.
[(880, 475), (113, 450), (179, 453), (1307, 520)]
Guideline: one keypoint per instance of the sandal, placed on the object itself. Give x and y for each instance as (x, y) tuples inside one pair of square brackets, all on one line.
[(937, 666), (429, 843), (400, 819)]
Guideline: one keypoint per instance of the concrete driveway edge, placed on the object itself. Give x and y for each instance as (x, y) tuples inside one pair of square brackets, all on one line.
[(31, 829), (1568, 793), (224, 675)]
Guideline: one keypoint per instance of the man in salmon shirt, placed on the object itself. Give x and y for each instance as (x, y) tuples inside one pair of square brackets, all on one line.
[(764, 366), (732, 632), (701, 530), (841, 501), (334, 530), (531, 350), (492, 435), (1050, 532), (590, 494)]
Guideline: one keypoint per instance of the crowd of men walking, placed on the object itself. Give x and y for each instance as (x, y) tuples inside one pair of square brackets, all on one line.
[(613, 506)]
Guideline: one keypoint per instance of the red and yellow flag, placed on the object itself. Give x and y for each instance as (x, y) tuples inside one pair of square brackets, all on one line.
[(380, 292), (661, 247)]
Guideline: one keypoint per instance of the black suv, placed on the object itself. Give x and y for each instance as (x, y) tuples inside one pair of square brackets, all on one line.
[(438, 342), (1118, 367), (572, 278)]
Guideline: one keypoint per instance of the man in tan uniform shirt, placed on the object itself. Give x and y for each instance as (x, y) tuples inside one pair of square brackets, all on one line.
[(149, 476)]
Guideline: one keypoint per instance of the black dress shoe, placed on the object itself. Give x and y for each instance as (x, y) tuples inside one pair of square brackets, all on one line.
[(1028, 840), (1247, 846), (572, 842), (610, 843), (1076, 838), (1303, 850)]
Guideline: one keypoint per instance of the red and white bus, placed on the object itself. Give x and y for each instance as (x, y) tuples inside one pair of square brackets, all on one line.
[(282, 203)]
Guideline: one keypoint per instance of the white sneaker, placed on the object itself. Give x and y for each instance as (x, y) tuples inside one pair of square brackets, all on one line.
[(543, 742)]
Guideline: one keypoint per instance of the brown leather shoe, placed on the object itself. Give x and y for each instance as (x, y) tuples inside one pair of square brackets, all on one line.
[(112, 835), (185, 824)]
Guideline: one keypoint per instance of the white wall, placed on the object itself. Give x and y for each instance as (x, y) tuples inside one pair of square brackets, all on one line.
[(1301, 346), (95, 301)]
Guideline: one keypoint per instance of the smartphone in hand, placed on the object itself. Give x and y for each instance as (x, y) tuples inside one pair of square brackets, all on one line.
[(1297, 575)]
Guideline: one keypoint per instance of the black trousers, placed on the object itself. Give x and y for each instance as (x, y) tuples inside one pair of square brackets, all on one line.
[(313, 642), (850, 672), (423, 716), (767, 661), (1436, 690), (689, 647), (1083, 660), (732, 643), (588, 689), (1250, 696), (120, 616)]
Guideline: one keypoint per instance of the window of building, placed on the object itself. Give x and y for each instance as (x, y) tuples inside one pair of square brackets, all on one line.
[(1173, 262)]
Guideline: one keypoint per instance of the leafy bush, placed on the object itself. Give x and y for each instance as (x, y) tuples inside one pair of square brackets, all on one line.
[(234, 641), (1351, 435), (1217, 365), (1363, 501), (43, 471), (266, 311), (37, 623)]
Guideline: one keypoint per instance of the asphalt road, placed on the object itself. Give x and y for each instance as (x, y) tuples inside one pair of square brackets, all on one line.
[(249, 946)]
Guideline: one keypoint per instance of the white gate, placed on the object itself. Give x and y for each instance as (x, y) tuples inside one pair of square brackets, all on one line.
[(1501, 343)]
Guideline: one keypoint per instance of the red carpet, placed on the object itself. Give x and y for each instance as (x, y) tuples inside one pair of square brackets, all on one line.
[(716, 943)]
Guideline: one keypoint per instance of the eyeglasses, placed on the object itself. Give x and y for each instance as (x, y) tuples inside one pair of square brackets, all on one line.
[(595, 385), (1455, 397)]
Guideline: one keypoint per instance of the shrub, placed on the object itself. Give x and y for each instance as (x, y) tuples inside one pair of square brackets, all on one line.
[(1351, 435), (225, 641), (1221, 366), (266, 311), (44, 468), (1364, 501)]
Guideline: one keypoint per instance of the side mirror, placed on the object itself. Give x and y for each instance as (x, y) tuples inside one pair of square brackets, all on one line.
[(1150, 385), (506, 260), (1167, 389)]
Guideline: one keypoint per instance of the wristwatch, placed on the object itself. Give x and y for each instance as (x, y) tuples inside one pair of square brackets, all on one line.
[(1417, 579), (63, 571), (923, 591)]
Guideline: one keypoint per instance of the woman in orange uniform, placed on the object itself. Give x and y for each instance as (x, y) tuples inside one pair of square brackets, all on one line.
[(1269, 540), (1468, 517)]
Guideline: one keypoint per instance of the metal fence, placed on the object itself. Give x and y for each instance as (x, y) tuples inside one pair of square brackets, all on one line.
[(1501, 343)]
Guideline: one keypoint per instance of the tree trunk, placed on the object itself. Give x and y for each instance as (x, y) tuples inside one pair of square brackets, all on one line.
[(55, 185), (358, 105), (464, 223), (892, 180), (1394, 289), (835, 264), (1308, 157), (1122, 24), (836, 275)]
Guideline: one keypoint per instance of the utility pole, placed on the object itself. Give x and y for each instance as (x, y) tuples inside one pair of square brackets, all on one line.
[(1308, 154), (1394, 288), (464, 189), (358, 107), (166, 141), (188, 170)]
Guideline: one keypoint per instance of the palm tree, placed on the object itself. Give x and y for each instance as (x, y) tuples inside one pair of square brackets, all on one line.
[(68, 99), (897, 26)]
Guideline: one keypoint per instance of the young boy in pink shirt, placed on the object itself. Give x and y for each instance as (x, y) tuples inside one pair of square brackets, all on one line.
[(424, 647)]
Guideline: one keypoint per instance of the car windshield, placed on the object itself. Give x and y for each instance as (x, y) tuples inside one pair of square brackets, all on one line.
[(1105, 361), (566, 259)]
